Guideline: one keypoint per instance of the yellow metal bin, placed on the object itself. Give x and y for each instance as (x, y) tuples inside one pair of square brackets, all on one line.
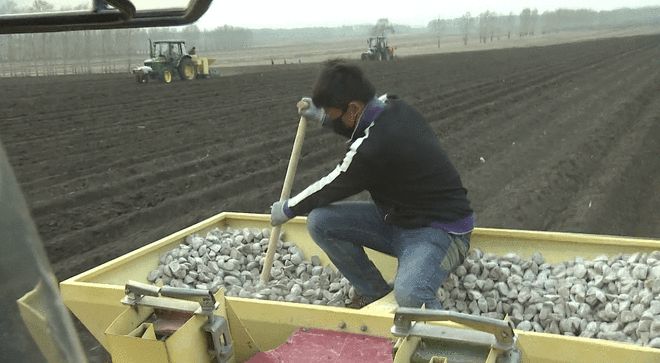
[(259, 325)]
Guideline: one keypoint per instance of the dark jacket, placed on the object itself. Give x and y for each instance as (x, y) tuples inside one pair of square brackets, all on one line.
[(397, 157)]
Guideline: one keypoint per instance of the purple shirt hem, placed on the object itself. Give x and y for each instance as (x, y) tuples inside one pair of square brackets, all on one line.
[(461, 226)]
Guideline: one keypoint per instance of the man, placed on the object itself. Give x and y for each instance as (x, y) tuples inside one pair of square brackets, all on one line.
[(420, 212)]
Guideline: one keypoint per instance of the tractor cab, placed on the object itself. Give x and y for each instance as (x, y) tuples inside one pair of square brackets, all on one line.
[(168, 50), (378, 49), (377, 42)]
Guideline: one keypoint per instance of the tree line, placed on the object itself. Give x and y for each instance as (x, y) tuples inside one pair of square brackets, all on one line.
[(489, 26), (116, 42), (105, 50)]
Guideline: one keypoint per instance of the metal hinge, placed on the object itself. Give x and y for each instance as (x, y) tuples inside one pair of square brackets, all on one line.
[(494, 333)]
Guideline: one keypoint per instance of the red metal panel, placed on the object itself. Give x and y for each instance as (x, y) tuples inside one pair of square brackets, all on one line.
[(324, 346)]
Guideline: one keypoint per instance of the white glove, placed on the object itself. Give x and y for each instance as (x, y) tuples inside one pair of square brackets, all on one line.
[(309, 111), (280, 213)]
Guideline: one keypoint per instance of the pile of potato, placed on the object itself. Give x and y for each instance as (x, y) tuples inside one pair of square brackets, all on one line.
[(233, 258), (614, 298)]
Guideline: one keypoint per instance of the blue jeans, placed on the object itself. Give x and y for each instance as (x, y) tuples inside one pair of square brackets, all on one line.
[(426, 255)]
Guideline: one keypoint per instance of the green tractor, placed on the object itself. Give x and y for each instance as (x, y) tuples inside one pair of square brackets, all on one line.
[(168, 59)]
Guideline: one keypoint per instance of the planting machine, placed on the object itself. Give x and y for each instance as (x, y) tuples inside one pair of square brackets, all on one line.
[(378, 49), (128, 315), (170, 59)]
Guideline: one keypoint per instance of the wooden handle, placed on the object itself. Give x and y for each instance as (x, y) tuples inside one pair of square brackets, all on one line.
[(286, 192)]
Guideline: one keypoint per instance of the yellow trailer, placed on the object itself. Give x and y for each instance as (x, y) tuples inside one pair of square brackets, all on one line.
[(202, 65), (96, 296)]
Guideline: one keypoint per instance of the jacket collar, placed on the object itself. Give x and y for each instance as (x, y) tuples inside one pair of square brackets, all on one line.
[(371, 111)]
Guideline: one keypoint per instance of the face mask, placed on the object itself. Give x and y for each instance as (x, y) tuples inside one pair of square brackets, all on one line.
[(338, 126)]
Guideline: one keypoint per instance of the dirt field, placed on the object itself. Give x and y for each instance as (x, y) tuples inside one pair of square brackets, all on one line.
[(568, 135)]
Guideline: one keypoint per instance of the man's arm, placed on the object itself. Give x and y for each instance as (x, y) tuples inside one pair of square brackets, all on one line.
[(348, 178)]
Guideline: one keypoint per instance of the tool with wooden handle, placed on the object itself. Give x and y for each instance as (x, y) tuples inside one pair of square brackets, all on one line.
[(286, 192)]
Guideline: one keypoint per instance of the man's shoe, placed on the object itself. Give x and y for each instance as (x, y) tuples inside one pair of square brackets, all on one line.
[(359, 301)]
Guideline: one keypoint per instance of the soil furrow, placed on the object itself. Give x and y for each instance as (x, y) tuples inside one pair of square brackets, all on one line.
[(108, 165)]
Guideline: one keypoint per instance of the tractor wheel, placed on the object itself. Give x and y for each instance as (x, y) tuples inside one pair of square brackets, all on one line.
[(187, 70), (167, 76)]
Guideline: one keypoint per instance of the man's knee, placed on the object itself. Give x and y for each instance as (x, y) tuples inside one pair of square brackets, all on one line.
[(408, 296), (416, 291), (410, 292), (316, 221)]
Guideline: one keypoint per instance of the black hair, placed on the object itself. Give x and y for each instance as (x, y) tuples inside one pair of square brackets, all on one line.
[(340, 83)]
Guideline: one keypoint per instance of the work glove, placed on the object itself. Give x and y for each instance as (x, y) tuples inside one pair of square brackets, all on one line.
[(280, 213), (309, 111)]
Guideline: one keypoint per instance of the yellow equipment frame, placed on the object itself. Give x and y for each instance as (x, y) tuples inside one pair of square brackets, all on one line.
[(256, 325)]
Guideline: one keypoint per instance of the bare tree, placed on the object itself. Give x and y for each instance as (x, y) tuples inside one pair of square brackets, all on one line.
[(525, 22), (487, 26), (89, 35), (9, 7), (533, 20), (510, 23), (382, 27), (494, 26), (437, 27), (466, 21), (129, 49), (440, 30), (40, 6), (103, 44)]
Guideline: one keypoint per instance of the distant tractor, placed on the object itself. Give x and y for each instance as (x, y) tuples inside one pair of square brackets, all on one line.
[(168, 59), (378, 50)]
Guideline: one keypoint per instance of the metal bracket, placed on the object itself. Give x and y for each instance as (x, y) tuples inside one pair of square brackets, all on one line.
[(218, 327), (204, 298), (491, 332), (194, 301)]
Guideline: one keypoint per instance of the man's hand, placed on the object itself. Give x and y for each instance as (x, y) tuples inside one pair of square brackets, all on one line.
[(280, 213), (308, 110)]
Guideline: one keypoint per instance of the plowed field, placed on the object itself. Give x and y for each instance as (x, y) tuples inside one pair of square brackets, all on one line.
[(561, 138)]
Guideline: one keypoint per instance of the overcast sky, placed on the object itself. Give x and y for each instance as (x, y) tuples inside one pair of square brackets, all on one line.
[(300, 13)]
